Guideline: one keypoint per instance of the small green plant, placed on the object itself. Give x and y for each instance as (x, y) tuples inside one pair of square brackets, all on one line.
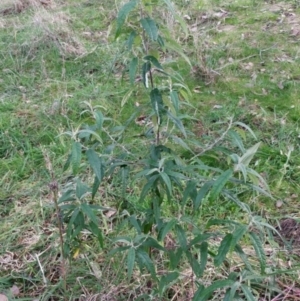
[(172, 188)]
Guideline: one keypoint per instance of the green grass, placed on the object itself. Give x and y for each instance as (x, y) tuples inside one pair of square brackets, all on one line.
[(55, 61)]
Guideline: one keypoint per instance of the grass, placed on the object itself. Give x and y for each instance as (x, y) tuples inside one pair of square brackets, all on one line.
[(57, 58)]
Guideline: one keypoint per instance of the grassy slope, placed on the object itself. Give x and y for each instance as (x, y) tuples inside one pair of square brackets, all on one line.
[(246, 58)]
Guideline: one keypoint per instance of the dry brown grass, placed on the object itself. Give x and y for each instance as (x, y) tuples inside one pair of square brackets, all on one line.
[(47, 25), (18, 6)]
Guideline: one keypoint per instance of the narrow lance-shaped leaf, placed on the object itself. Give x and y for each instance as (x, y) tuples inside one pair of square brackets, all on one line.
[(190, 191), (220, 183), (166, 281), (223, 249), (238, 234), (145, 261), (206, 293), (99, 119), (181, 237), (175, 100), (249, 296), (175, 256), (177, 122), (76, 156), (201, 194), (130, 40), (97, 232), (203, 257), (249, 154), (157, 103), (130, 262), (89, 212), (95, 187), (95, 163), (193, 263), (165, 229), (165, 178), (259, 250), (153, 60), (145, 69), (123, 13), (81, 189), (132, 69), (150, 28)]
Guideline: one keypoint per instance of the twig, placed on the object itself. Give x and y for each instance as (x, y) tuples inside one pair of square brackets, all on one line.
[(215, 142), (41, 268)]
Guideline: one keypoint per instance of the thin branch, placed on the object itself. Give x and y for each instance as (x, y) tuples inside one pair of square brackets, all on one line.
[(215, 142)]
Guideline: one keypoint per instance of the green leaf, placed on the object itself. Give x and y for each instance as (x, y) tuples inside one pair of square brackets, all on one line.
[(89, 212), (190, 191), (119, 249), (81, 189), (145, 69), (201, 194), (124, 100), (241, 124), (238, 234), (259, 250), (68, 162), (193, 263), (203, 257), (69, 207), (123, 13), (160, 41), (130, 262), (249, 154), (67, 196), (232, 291), (148, 186), (157, 103), (132, 69), (71, 222), (243, 256), (97, 232), (135, 223), (223, 249), (153, 60), (206, 293), (236, 139), (145, 261), (130, 40), (79, 220), (181, 237), (219, 183), (166, 281), (165, 229), (95, 163), (76, 156), (165, 178), (249, 296), (99, 119), (150, 28), (200, 238), (177, 122), (175, 256), (95, 187), (151, 242), (175, 100)]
